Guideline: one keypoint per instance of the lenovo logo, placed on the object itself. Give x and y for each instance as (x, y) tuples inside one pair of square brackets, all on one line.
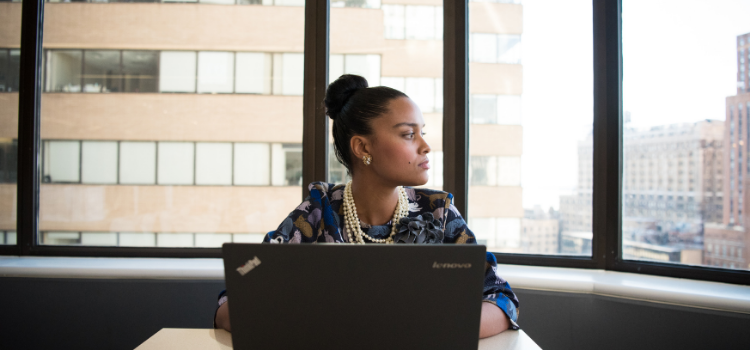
[(437, 265), (248, 266)]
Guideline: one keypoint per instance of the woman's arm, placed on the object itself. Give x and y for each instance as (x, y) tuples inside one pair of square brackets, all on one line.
[(222, 317), (494, 321)]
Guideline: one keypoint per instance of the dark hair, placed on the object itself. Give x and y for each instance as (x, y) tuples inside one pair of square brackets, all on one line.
[(352, 106)]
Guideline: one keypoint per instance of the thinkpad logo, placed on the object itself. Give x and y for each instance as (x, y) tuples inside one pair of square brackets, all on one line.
[(248, 266), (437, 265)]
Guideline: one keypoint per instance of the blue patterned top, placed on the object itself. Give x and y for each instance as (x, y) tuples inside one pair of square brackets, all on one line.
[(320, 218)]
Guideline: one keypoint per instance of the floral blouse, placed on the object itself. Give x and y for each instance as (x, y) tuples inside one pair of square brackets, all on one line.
[(320, 218)]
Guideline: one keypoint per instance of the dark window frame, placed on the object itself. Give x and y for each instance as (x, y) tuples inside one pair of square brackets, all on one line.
[(607, 157)]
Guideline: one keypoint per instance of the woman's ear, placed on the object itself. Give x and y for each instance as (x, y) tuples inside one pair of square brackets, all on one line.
[(360, 146)]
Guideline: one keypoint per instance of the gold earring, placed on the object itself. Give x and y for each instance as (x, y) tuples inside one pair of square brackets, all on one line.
[(367, 159)]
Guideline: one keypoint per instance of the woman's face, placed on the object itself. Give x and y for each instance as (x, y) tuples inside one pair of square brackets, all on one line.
[(397, 145)]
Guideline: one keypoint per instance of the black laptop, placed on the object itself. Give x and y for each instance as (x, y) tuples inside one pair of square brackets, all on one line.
[(335, 296)]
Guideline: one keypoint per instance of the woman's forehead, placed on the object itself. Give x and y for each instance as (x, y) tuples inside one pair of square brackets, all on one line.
[(402, 111)]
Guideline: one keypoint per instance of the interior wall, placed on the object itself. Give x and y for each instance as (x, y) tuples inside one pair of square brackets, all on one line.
[(42, 313)]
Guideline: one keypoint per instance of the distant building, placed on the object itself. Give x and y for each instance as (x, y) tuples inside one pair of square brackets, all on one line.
[(672, 184), (541, 232), (728, 244)]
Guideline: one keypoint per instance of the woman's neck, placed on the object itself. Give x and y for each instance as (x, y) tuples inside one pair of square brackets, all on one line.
[(375, 201)]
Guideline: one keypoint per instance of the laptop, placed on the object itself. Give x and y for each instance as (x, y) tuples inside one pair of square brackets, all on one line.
[(335, 296)]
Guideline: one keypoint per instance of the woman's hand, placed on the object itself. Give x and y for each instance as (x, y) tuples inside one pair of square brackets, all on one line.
[(222, 317), (493, 321)]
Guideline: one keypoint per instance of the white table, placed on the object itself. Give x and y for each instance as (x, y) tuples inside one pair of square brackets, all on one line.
[(218, 339)]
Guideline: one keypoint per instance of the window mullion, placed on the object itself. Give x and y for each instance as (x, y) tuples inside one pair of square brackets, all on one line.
[(315, 122)]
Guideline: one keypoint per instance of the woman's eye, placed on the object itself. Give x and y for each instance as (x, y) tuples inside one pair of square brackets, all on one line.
[(410, 135)]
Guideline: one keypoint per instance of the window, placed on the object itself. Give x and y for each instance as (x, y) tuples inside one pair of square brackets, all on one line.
[(685, 230), (252, 164), (137, 163), (99, 162), (10, 62), (495, 48), (531, 173), (253, 75), (413, 22), (176, 163), (530, 113), (215, 72), (177, 71), (213, 163), (62, 161)]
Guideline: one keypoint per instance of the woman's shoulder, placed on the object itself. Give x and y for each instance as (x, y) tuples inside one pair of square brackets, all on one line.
[(321, 189), (428, 195)]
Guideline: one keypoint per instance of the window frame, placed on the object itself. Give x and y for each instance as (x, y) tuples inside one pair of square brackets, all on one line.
[(607, 155)]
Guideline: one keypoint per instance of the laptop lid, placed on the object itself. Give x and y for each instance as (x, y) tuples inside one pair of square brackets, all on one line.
[(318, 296)]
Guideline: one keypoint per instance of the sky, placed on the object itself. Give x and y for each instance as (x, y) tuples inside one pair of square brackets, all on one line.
[(679, 65)]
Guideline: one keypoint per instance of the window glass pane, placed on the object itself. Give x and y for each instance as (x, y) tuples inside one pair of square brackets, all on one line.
[(213, 163), (420, 22), (398, 83), (253, 74), (10, 63), (101, 71), (422, 91), (685, 165), (176, 163), (508, 109), (8, 161), (483, 109), (62, 161), (252, 164), (215, 72), (394, 21), (483, 47), (293, 66), (509, 49), (64, 70), (137, 163), (335, 67), (177, 71), (293, 165), (182, 113), (140, 71), (174, 240), (212, 240), (108, 239), (367, 66), (530, 157), (137, 239), (99, 162)]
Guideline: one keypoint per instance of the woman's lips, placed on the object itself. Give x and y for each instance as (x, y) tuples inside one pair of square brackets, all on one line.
[(425, 165)]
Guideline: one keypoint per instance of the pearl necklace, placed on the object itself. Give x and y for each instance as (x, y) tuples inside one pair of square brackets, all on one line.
[(356, 236)]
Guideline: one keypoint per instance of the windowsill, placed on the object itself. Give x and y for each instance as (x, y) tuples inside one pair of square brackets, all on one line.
[(665, 290)]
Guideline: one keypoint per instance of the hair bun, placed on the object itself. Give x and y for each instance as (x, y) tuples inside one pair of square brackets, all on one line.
[(340, 91)]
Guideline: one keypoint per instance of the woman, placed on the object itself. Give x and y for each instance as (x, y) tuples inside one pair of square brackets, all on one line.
[(378, 136)]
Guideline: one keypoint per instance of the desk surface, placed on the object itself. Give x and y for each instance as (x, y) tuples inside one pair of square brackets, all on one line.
[(218, 339)]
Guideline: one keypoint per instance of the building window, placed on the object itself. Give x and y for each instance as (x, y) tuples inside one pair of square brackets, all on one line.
[(495, 109), (175, 163), (62, 161), (215, 72), (137, 163), (8, 160), (177, 71), (494, 171), (252, 164), (253, 73), (495, 48), (413, 22), (427, 93), (367, 66), (213, 163), (99, 162), (10, 65)]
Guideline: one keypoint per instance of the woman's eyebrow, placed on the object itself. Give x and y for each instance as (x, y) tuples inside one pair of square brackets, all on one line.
[(414, 125)]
